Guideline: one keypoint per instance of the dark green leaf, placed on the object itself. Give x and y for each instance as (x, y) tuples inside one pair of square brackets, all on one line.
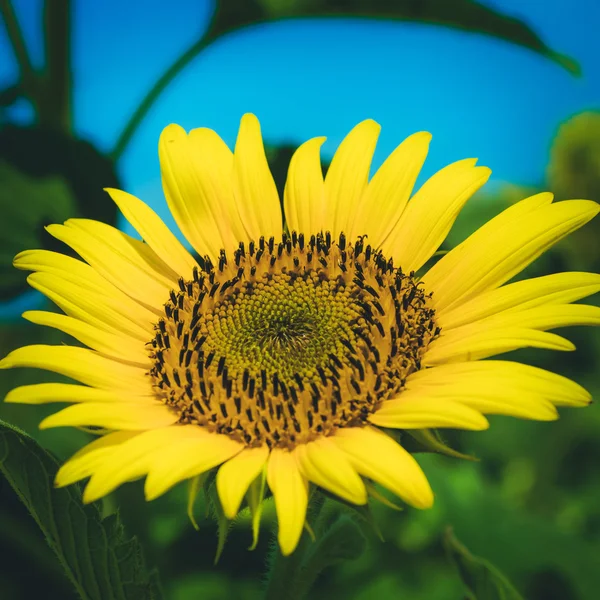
[(47, 177), (27, 205), (333, 537), (466, 15), (483, 580), (427, 440), (9, 95), (42, 153), (216, 510), (99, 560), (343, 541)]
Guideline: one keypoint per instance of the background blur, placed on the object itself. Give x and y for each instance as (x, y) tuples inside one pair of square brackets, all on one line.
[(85, 89)]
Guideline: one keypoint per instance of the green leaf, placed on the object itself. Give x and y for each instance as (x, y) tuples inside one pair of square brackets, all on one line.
[(195, 486), (483, 580), (343, 541), (466, 15), (27, 205), (427, 440), (338, 537), (214, 503), (97, 557), (367, 519), (459, 14), (574, 172), (43, 153), (47, 177)]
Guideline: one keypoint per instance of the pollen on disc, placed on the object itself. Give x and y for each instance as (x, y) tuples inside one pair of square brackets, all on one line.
[(289, 340)]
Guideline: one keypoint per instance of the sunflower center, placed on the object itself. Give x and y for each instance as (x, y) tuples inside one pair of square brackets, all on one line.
[(284, 342)]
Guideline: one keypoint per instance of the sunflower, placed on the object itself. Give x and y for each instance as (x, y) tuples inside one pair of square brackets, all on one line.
[(280, 353)]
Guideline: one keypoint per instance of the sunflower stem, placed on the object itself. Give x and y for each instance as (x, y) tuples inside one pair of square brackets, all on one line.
[(55, 111), (17, 41), (338, 537), (342, 541), (284, 571)]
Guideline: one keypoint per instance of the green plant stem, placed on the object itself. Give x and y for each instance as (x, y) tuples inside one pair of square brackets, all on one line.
[(284, 570), (217, 28), (283, 573), (338, 538), (17, 42), (157, 89), (341, 541), (55, 111)]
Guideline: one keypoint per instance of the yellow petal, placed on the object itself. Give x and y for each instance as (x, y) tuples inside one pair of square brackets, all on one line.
[(490, 395), (85, 462), (82, 365), (191, 190), (197, 171), (115, 345), (536, 409), (154, 232), (347, 176), (134, 251), (255, 191), (480, 264), (559, 288), (187, 458), (495, 401), (477, 343), (418, 411), (304, 194), (132, 416), (125, 264), (290, 491), (100, 311), (67, 267), (133, 458), (236, 475), (545, 317), (43, 393), (387, 193), (377, 456), (513, 215), (431, 213), (323, 463), (501, 377), (57, 266), (210, 150)]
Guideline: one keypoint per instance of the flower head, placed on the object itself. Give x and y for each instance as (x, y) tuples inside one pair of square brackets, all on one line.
[(284, 348)]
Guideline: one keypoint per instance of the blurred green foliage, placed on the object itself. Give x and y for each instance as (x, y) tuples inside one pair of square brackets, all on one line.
[(574, 172), (63, 178), (574, 168), (48, 201), (479, 575)]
